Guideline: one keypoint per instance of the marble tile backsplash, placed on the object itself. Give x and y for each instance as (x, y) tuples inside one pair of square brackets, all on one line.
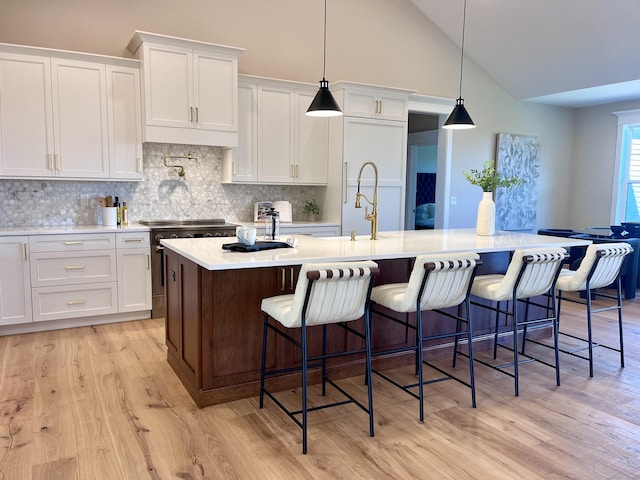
[(162, 194)]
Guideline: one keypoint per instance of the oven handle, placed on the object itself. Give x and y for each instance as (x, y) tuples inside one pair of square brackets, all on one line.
[(160, 250)]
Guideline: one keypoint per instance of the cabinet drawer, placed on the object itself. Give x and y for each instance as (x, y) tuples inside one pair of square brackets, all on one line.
[(53, 303), (58, 268), (72, 242), (132, 240)]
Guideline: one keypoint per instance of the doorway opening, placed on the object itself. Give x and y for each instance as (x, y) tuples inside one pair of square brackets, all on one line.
[(422, 171)]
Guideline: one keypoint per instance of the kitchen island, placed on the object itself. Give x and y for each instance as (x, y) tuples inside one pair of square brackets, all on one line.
[(214, 322)]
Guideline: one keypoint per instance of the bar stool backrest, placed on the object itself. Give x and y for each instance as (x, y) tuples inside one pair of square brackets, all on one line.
[(607, 258), (339, 292), (533, 270), (447, 281)]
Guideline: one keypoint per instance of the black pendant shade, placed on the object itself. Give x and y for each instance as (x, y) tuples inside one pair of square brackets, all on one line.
[(324, 105), (459, 118)]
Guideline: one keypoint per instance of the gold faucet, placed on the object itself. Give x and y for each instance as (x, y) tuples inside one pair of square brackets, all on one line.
[(180, 168), (373, 216)]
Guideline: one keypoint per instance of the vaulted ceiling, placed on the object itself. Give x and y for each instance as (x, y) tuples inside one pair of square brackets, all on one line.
[(566, 52)]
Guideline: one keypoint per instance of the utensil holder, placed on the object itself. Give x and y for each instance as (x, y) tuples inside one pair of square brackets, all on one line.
[(109, 216)]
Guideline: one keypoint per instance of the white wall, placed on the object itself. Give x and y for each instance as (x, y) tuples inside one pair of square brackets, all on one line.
[(593, 164), (379, 42)]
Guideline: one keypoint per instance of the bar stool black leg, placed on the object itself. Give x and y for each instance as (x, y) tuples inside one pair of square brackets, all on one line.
[(589, 332), (324, 360), (495, 337), (472, 376), (457, 338), (515, 345), (367, 339), (263, 362), (419, 362), (556, 335), (304, 387), (619, 295)]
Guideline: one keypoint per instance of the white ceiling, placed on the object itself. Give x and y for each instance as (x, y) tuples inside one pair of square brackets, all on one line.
[(564, 52)]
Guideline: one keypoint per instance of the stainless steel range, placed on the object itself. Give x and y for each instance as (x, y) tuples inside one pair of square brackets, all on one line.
[(160, 229)]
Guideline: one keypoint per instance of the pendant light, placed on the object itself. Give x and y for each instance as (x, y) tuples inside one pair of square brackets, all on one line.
[(459, 118), (324, 105)]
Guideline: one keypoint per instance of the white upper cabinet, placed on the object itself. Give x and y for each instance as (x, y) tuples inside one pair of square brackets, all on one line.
[(278, 143), (80, 119), (377, 102), (275, 134), (311, 142), (240, 164), (68, 115), (26, 116), (190, 90), (125, 122)]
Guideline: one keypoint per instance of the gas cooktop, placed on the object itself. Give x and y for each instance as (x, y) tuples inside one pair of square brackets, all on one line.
[(196, 223)]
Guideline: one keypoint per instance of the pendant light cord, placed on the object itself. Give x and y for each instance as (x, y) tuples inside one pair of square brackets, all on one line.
[(464, 21), (324, 49)]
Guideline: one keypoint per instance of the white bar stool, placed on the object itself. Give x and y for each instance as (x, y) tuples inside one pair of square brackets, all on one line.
[(599, 268), (531, 272), (436, 282), (325, 293)]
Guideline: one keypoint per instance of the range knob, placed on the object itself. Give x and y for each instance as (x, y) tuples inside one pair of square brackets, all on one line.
[(174, 235), (208, 234), (189, 235), (158, 238)]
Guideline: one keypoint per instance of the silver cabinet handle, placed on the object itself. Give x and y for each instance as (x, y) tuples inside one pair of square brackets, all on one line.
[(133, 240), (191, 114), (74, 267), (58, 162), (139, 165), (76, 302), (24, 250), (197, 116), (51, 162), (74, 242)]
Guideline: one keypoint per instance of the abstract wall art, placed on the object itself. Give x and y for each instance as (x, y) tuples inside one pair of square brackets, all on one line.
[(517, 155)]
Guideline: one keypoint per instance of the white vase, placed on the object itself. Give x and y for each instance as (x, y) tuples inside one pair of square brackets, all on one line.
[(486, 223)]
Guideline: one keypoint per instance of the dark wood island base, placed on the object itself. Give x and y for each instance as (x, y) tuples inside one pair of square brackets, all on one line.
[(214, 328)]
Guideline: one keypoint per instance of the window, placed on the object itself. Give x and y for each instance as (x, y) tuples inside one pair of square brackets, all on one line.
[(626, 191)]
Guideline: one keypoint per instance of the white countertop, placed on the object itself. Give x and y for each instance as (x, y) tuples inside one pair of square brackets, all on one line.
[(208, 252), (61, 229)]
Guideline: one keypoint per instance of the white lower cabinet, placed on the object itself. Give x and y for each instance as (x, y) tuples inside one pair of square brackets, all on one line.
[(134, 271), (15, 285), (73, 275), (58, 277), (72, 301)]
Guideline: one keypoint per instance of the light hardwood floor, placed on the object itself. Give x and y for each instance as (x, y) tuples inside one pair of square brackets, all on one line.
[(102, 403)]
